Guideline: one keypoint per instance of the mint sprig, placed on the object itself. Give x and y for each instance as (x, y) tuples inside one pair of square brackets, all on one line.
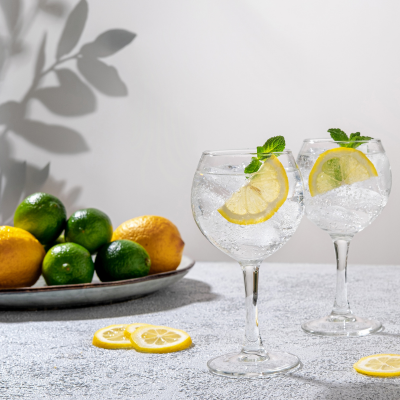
[(275, 144), (254, 166), (339, 136)]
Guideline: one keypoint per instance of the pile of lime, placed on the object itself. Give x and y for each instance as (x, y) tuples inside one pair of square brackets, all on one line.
[(72, 244)]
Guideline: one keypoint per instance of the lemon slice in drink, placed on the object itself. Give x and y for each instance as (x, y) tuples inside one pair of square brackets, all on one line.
[(159, 339), (261, 197), (112, 337), (337, 167), (384, 365), (132, 328)]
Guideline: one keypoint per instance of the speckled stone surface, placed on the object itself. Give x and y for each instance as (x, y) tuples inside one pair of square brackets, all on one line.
[(48, 354)]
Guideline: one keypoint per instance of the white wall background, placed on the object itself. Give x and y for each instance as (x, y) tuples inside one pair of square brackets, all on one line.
[(220, 74)]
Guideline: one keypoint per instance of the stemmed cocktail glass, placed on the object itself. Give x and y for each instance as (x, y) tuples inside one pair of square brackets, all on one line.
[(346, 186), (248, 217)]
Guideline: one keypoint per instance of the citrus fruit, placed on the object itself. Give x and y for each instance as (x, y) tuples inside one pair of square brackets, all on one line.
[(112, 337), (260, 198), (384, 365), (90, 228), (132, 328), (337, 167), (67, 263), (159, 236), (43, 215), (122, 259), (21, 257), (159, 339)]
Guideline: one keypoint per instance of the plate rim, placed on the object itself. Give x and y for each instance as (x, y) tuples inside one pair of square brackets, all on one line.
[(77, 286)]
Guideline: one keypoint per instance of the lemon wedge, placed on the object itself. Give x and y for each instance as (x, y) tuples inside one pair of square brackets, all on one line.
[(337, 167), (112, 337), (132, 328), (159, 339), (384, 365), (261, 197)]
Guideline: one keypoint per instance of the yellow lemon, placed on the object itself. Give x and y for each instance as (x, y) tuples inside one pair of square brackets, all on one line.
[(132, 328), (112, 337), (159, 339), (337, 167), (160, 238), (21, 257), (384, 365), (261, 197)]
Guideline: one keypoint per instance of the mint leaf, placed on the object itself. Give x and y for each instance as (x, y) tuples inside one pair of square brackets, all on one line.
[(254, 166), (338, 135), (275, 144), (365, 138), (354, 136), (261, 154), (354, 144)]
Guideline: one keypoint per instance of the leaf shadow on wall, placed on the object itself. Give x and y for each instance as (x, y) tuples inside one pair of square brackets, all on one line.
[(74, 96)]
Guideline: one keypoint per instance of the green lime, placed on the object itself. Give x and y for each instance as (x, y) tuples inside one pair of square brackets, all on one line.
[(90, 228), (42, 215), (122, 259), (59, 240), (67, 263)]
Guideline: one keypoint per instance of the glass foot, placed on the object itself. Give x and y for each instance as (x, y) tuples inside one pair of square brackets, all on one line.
[(238, 365), (336, 326)]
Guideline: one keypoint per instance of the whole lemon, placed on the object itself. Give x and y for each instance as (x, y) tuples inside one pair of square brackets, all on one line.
[(160, 238), (21, 257)]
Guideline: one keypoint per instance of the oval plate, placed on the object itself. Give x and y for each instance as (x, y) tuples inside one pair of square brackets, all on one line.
[(40, 296)]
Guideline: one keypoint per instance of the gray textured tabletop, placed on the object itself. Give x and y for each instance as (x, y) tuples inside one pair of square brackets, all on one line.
[(48, 354)]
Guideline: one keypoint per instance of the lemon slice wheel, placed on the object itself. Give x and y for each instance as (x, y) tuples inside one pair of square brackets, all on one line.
[(159, 339), (112, 337), (261, 197), (337, 167), (132, 328), (384, 365)]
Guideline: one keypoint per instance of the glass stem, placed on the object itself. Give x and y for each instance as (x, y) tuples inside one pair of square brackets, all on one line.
[(341, 309), (253, 349)]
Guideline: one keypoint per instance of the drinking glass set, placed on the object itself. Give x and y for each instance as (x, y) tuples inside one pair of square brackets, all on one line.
[(342, 211)]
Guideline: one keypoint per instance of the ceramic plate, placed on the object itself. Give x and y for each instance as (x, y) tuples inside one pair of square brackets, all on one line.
[(41, 296)]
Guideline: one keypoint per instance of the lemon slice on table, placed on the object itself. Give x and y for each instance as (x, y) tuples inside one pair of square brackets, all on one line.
[(132, 328), (159, 339), (261, 197), (337, 167), (384, 365), (112, 337)]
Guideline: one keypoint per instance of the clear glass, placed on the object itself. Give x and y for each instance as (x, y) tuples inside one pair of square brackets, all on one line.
[(218, 176), (342, 212)]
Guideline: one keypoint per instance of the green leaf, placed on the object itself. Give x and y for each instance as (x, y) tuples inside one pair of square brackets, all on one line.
[(365, 138), (275, 144), (338, 136), (261, 155), (354, 136), (254, 166), (354, 145)]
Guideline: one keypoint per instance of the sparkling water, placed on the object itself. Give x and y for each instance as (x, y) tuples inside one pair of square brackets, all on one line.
[(348, 209), (213, 187)]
